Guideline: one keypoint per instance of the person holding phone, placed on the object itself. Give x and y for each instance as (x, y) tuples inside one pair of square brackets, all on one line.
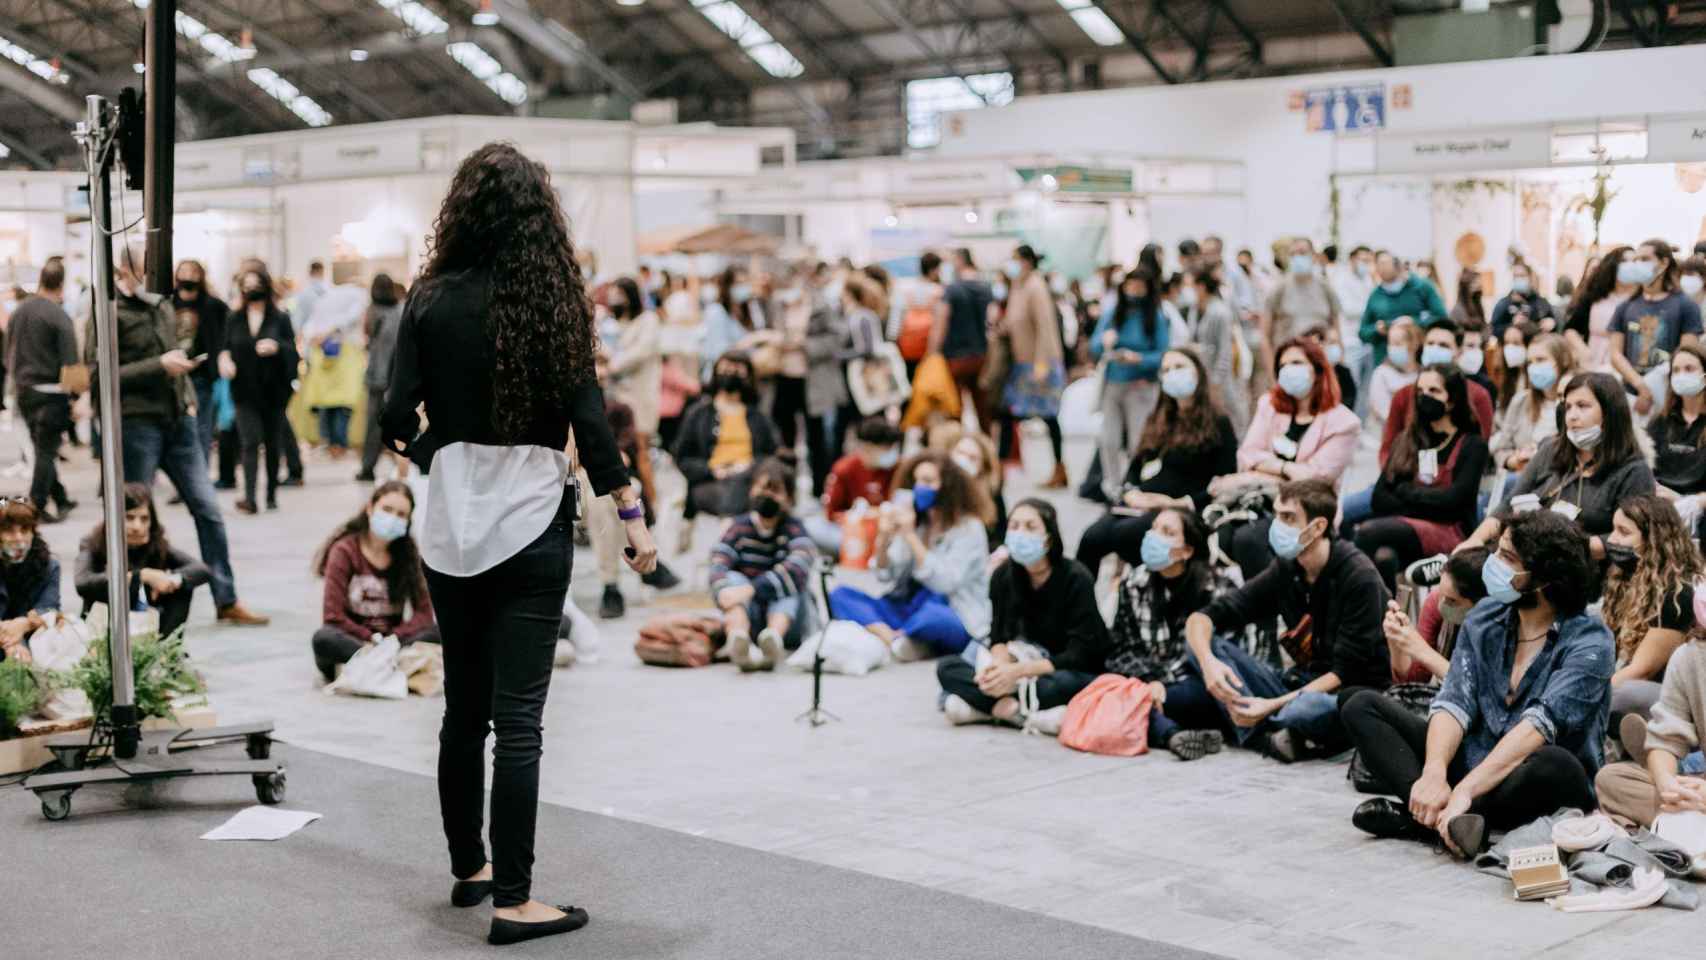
[(260, 360)]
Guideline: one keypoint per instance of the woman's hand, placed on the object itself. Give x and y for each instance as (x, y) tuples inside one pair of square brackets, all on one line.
[(1000, 679), (227, 367), (1519, 460), (1683, 795), (1643, 400), (1110, 340), (1455, 807), (642, 554), (158, 582)]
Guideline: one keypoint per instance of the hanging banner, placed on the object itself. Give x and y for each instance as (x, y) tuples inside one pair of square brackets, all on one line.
[(1681, 140), (1351, 109), (1496, 150)]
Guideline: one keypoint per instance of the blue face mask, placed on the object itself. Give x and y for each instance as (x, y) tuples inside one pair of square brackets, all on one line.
[(1026, 549), (923, 498), (1541, 376), (386, 526), (1286, 541), (1434, 353), (1302, 264), (1497, 575), (1335, 353), (1395, 287), (1297, 379), (1179, 383), (1637, 272), (1522, 286), (1157, 551), (1400, 356), (1012, 269)]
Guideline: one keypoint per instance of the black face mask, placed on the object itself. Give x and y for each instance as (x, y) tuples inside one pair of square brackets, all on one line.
[(255, 296), (189, 288), (767, 507), (619, 310), (730, 383), (1621, 557), (1429, 409)]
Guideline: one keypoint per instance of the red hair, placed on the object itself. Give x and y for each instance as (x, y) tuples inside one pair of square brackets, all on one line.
[(1324, 396)]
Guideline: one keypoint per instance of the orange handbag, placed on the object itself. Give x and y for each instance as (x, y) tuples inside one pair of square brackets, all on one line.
[(1110, 717)]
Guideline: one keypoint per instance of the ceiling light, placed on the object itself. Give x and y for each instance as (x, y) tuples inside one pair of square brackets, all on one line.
[(1093, 20), (5, 151), (971, 216), (358, 55), (630, 3), (485, 16), (29, 61), (139, 67), (417, 17), (489, 71), (286, 93), (891, 221), (751, 36)]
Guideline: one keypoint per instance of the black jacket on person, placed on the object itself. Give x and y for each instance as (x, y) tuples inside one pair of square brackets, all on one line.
[(1061, 616), (39, 341), (147, 328), (1454, 503), (699, 428), (1186, 471), (262, 380), (210, 313), (1340, 613)]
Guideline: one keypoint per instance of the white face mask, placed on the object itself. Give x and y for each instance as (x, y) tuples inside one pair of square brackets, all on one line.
[(1188, 296), (1469, 361), (1692, 284)]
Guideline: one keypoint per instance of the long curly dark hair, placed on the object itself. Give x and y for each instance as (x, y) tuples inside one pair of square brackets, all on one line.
[(501, 219), (155, 553), (405, 579), (1171, 426)]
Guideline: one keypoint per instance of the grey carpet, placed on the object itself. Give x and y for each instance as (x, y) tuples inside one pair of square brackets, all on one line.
[(370, 881)]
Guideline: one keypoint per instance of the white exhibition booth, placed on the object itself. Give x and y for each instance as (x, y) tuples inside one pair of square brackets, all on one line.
[(35, 207), (1455, 161)]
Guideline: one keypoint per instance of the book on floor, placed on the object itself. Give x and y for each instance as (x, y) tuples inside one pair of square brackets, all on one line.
[(1538, 873)]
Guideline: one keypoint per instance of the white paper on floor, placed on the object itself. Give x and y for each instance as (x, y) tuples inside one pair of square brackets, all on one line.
[(261, 823)]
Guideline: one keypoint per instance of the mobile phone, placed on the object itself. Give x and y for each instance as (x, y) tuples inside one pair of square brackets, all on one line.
[(199, 358)]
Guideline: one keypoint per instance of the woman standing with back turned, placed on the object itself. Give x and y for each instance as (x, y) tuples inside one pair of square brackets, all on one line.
[(497, 340)]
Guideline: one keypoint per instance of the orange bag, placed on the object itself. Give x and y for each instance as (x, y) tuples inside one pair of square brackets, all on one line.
[(915, 327), (858, 537), (933, 393), (1110, 717), (679, 640)]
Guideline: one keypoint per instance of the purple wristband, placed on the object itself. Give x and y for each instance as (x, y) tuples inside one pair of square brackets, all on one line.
[(635, 512)]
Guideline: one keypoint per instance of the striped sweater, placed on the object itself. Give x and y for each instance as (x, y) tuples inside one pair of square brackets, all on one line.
[(778, 563)]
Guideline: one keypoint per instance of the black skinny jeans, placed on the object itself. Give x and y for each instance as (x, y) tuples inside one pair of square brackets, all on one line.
[(1393, 743), (1114, 534), (1391, 543), (260, 424), (499, 631), (1009, 425), (333, 646), (49, 417), (1053, 690)]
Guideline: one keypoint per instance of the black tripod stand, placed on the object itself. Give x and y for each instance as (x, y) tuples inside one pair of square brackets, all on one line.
[(817, 716)]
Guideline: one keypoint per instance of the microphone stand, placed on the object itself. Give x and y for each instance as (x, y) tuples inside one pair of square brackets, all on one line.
[(817, 716)]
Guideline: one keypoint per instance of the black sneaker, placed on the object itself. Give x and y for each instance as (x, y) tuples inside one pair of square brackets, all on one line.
[(1195, 744), (1284, 747), (364, 477), (612, 606), (662, 578)]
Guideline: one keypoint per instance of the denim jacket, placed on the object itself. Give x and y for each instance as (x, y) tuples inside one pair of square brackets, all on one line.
[(1565, 694)]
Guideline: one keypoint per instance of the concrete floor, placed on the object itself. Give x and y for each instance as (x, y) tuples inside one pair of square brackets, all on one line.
[(1233, 854)]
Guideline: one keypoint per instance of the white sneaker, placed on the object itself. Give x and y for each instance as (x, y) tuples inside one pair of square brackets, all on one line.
[(770, 644), (961, 713), (906, 651), (738, 648), (1047, 722), (565, 655)]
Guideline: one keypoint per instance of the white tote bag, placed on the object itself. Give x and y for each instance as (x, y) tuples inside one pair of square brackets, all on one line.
[(373, 672)]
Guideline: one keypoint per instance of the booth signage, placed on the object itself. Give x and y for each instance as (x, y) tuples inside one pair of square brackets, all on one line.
[(1350, 109), (1467, 150), (948, 180), (327, 159), (1080, 179), (1679, 140)]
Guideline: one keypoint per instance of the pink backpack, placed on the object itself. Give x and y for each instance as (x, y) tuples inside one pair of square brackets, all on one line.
[(1110, 717)]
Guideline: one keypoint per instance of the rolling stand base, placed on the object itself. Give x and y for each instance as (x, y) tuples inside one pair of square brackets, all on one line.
[(156, 759)]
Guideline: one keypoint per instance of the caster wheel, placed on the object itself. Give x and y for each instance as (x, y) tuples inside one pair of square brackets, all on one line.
[(260, 747), (269, 787), (56, 806)]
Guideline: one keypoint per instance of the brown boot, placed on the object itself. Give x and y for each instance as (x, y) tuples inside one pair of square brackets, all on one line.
[(242, 616), (1058, 480)]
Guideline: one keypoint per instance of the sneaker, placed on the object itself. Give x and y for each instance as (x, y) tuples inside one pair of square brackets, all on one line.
[(960, 713), (1047, 722), (906, 650), (612, 606), (1282, 746), (739, 649), (662, 578), (770, 643), (239, 615), (1195, 744)]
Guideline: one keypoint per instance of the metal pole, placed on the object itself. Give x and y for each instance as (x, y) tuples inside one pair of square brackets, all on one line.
[(159, 102), (99, 146)]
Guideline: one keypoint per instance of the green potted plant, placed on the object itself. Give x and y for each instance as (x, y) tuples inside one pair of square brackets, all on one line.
[(161, 666), (20, 695)]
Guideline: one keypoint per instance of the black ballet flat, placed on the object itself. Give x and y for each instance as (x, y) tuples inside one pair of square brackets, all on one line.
[(505, 932), (469, 893)]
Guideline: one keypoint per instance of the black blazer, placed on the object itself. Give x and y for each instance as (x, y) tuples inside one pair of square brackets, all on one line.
[(262, 380), (698, 438)]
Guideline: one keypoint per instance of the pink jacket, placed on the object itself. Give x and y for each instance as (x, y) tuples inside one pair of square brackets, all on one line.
[(1326, 447)]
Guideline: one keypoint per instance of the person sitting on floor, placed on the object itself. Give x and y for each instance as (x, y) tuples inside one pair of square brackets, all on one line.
[(1397, 371), (1585, 472), (1186, 443), (1175, 579), (933, 548), (1442, 345), (161, 576), (1679, 436), (1426, 499), (722, 436), (761, 572), (29, 577), (1665, 773), (1651, 567), (864, 474), (1330, 598), (1516, 730), (1045, 630), (1421, 652), (374, 576)]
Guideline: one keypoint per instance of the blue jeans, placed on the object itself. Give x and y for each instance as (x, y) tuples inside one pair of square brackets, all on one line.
[(206, 419), (1313, 715), (924, 617), (174, 446), (1357, 507), (334, 426)]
